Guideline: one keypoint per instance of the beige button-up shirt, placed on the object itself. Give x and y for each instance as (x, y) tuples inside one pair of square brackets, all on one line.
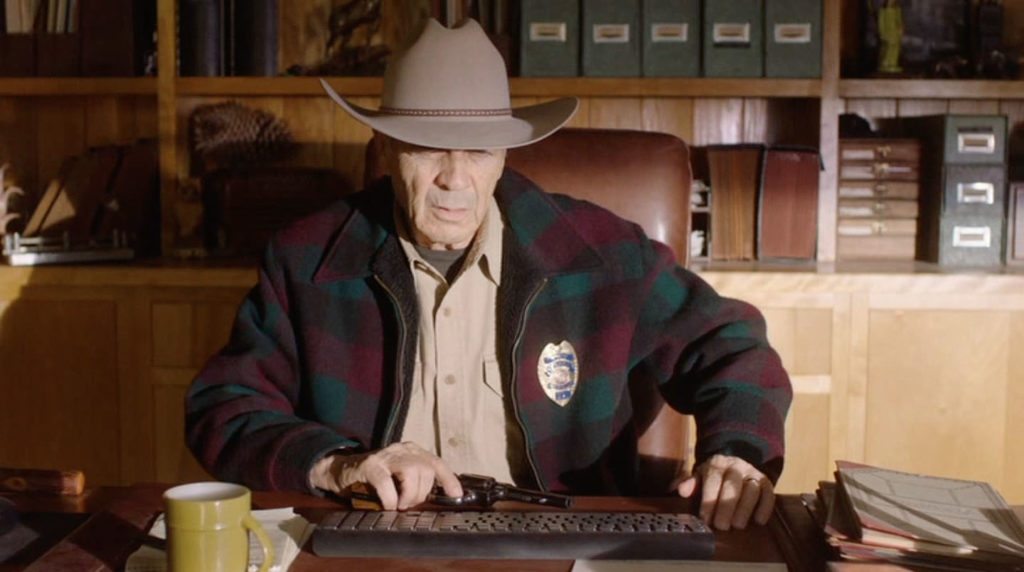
[(456, 409)]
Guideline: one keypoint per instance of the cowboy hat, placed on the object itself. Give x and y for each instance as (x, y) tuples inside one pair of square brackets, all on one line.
[(449, 91)]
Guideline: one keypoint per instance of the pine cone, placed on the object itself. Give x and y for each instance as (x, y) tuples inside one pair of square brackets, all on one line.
[(231, 134)]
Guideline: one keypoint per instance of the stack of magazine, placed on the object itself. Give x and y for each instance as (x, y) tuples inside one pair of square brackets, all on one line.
[(881, 515)]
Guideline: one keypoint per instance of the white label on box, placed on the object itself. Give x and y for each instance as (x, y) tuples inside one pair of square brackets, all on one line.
[(730, 33), (975, 193), (611, 33), (548, 32), (858, 154), (670, 32), (980, 143), (792, 33), (972, 236)]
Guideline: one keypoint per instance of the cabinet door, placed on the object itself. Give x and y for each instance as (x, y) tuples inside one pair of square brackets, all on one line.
[(188, 326), (59, 365), (945, 385)]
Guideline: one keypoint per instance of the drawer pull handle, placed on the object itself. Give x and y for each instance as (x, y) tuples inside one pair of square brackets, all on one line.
[(731, 33), (976, 143), (611, 33), (669, 32), (792, 33), (976, 193), (972, 236), (548, 32)]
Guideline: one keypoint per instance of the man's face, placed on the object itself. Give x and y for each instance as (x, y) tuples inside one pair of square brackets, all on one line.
[(444, 193)]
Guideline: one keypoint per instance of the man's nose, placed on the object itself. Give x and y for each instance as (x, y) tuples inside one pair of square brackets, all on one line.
[(454, 173)]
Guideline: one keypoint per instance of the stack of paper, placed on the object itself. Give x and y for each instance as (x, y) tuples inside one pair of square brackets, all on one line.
[(287, 530), (877, 514)]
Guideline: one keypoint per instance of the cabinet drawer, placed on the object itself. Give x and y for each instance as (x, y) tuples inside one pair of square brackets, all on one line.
[(1015, 225), (875, 248), (974, 190), (877, 209), (969, 240), (878, 190), (975, 139), (876, 227), (878, 171), (906, 150)]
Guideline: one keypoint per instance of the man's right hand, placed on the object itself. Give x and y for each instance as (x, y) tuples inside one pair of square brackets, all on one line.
[(402, 474)]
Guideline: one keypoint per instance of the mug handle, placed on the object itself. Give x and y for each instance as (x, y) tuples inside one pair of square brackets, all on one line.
[(268, 550)]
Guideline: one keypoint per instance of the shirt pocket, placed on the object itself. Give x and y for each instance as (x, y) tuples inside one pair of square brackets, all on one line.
[(492, 376)]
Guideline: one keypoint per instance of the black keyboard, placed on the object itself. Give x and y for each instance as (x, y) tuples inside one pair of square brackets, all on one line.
[(502, 534)]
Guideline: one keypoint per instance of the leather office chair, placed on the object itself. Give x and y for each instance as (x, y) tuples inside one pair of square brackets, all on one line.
[(641, 176)]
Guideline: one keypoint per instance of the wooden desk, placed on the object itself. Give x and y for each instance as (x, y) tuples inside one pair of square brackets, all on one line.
[(121, 515)]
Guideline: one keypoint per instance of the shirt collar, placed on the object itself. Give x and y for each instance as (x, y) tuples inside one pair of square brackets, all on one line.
[(484, 250)]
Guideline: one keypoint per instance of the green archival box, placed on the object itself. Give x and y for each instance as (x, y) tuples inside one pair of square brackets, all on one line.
[(792, 38), (611, 38), (549, 38), (671, 38), (733, 38)]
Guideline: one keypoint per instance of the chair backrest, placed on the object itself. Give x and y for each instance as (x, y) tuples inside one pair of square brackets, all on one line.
[(644, 177)]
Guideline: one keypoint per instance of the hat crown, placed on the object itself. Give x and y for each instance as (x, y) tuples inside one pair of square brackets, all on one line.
[(447, 70)]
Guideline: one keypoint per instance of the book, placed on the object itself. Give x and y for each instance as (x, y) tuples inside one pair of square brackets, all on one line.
[(924, 515), (201, 38), (610, 35), (287, 530), (549, 38), (734, 173), (117, 36), (788, 204), (253, 38), (671, 38)]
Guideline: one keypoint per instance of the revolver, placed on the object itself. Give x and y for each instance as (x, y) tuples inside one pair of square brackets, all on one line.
[(482, 491)]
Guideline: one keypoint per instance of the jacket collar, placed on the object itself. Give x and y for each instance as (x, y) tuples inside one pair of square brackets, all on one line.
[(537, 230)]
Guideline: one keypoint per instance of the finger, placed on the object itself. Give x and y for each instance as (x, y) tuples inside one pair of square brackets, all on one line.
[(384, 486), (447, 478), (728, 497), (688, 487), (765, 504), (750, 495), (409, 483), (710, 492)]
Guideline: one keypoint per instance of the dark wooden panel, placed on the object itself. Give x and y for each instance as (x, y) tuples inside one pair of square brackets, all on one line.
[(59, 405)]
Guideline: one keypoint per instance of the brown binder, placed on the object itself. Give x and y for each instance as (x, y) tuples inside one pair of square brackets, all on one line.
[(17, 55), (58, 55), (788, 206), (242, 208), (733, 172), (133, 198)]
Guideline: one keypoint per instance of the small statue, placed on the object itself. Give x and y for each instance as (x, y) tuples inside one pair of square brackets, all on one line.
[(890, 35)]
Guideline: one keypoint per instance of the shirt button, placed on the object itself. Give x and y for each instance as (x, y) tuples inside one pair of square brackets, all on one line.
[(449, 379), (453, 441), (447, 312)]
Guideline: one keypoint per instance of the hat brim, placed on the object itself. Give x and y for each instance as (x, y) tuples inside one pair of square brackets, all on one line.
[(525, 125)]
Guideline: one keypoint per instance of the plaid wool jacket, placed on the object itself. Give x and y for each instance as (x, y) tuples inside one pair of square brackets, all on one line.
[(323, 348)]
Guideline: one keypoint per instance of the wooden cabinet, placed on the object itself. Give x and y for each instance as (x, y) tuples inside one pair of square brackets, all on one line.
[(917, 372)]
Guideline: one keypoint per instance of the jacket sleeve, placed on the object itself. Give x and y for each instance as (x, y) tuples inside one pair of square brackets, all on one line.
[(712, 358), (240, 410)]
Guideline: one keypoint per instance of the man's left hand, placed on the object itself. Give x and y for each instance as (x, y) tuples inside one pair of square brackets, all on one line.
[(732, 491)]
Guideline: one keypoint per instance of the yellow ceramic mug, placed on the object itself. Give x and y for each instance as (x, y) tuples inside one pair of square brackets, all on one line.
[(207, 528)]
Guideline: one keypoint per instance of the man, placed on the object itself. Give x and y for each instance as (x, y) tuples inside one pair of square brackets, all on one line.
[(456, 318)]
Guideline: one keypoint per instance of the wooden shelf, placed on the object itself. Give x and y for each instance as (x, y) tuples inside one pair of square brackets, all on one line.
[(76, 86), (275, 85), (520, 86), (931, 88)]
